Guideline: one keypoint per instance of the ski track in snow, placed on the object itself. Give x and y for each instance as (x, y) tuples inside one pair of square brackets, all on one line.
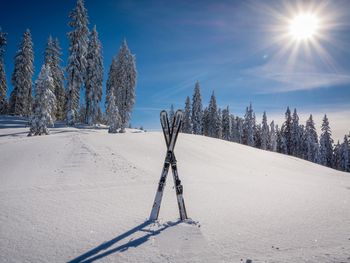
[(85, 195)]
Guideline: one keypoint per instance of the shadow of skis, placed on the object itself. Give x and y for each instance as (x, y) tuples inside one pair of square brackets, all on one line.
[(94, 254)]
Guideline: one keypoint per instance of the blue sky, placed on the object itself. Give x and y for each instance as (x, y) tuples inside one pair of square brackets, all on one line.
[(239, 49)]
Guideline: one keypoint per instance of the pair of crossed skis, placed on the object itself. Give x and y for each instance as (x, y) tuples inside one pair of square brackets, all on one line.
[(170, 135)]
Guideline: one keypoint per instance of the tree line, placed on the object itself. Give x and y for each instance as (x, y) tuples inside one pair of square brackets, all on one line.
[(292, 138), (58, 90)]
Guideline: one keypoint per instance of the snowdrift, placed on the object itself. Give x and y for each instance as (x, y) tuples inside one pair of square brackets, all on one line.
[(81, 195)]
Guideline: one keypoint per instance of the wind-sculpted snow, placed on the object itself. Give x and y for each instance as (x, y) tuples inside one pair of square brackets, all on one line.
[(84, 195)]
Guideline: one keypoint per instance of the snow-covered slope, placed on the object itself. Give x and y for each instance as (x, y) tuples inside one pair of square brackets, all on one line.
[(85, 195)]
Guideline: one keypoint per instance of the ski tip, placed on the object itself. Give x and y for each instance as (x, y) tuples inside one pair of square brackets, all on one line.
[(163, 112), (179, 112)]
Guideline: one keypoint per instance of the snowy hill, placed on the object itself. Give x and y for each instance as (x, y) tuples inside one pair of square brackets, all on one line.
[(82, 195)]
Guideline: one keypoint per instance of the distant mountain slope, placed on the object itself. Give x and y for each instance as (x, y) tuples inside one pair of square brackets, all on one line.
[(85, 195)]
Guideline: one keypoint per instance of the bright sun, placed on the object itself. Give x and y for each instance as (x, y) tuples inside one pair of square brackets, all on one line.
[(303, 26)]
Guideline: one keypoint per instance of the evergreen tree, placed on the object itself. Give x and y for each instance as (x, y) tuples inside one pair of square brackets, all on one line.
[(205, 122), (286, 131), (197, 111), (240, 123), (265, 133), (257, 135), (248, 126), (21, 96), (326, 144), (111, 84), (295, 146), (226, 124), (213, 118), (336, 156), (311, 140), (44, 106), (76, 69), (113, 114), (94, 78), (344, 164), (219, 124), (3, 83), (187, 125), (52, 57), (273, 137), (125, 84)]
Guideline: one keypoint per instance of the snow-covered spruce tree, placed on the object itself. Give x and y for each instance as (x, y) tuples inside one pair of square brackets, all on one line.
[(21, 96), (344, 164), (219, 124), (326, 144), (248, 126), (286, 131), (257, 136), (94, 78), (171, 115), (233, 131), (226, 124), (295, 146), (213, 118), (125, 84), (111, 84), (3, 83), (205, 122), (240, 123), (53, 59), (336, 156), (311, 141), (197, 111), (76, 69), (44, 106), (187, 125), (272, 137), (265, 133), (113, 114)]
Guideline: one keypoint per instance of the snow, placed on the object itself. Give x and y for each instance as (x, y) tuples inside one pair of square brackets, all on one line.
[(82, 195)]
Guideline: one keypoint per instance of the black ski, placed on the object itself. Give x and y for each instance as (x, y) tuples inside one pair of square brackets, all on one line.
[(170, 160)]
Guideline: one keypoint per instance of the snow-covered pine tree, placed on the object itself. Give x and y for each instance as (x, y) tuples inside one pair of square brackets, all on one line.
[(171, 115), (3, 83), (248, 126), (52, 57), (326, 144), (233, 131), (205, 122), (265, 133), (197, 111), (111, 83), (257, 135), (272, 137), (113, 114), (94, 78), (336, 156), (21, 96), (344, 164), (286, 131), (76, 69), (187, 125), (44, 106), (213, 118), (295, 146), (219, 124), (125, 84), (226, 124), (311, 140), (240, 123)]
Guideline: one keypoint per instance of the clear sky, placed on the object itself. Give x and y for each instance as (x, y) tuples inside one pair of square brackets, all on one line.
[(240, 49)]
